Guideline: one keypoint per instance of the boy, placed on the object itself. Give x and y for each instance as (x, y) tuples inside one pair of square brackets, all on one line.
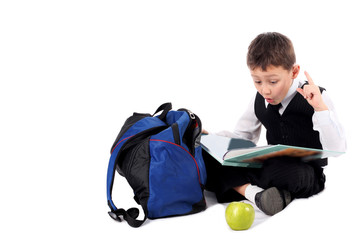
[(293, 113)]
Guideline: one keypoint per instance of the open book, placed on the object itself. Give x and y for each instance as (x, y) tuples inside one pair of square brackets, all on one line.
[(243, 153)]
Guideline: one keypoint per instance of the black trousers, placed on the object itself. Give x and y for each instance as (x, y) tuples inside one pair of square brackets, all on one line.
[(301, 179)]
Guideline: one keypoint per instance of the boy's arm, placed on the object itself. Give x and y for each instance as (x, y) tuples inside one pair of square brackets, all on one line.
[(331, 132), (325, 121), (248, 126)]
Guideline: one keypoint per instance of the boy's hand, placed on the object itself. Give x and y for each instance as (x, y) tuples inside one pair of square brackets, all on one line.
[(204, 132), (312, 94)]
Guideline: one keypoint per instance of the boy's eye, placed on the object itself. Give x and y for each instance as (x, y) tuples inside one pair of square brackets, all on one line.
[(257, 82), (274, 82)]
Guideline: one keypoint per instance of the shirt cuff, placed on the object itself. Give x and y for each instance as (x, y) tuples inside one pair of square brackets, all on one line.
[(322, 118)]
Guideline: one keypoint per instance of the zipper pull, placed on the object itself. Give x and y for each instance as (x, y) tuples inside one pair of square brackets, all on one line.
[(191, 114)]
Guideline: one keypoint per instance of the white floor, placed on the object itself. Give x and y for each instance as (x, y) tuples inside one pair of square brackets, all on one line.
[(324, 215)]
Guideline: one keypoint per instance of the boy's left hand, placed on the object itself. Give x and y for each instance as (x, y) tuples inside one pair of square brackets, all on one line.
[(312, 94)]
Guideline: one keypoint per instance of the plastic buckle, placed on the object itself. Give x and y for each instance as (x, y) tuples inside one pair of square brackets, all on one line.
[(114, 216)]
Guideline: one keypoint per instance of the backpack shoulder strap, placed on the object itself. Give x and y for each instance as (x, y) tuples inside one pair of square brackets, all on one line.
[(119, 146), (129, 216)]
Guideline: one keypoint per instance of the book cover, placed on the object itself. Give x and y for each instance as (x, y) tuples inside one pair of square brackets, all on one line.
[(244, 153)]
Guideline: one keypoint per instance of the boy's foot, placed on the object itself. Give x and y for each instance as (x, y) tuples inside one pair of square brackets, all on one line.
[(272, 200)]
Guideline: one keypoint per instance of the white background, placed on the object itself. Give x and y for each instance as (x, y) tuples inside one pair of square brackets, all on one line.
[(72, 71)]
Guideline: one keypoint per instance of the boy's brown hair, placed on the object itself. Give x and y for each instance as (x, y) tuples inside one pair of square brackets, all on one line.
[(271, 48)]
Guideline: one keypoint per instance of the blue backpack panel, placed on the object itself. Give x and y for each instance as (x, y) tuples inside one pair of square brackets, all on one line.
[(160, 157)]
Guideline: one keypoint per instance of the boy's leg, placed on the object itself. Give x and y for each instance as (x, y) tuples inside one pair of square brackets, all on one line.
[(283, 179), (270, 201), (222, 179), (279, 177), (301, 179)]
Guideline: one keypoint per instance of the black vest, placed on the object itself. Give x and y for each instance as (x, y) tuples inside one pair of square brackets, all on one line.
[(294, 127)]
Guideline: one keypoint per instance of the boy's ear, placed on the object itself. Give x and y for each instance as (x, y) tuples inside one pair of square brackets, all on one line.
[(295, 71)]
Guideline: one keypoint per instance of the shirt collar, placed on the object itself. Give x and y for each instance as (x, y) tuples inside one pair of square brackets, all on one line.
[(290, 94)]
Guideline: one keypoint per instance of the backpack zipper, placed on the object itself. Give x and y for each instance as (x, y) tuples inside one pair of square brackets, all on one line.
[(197, 123)]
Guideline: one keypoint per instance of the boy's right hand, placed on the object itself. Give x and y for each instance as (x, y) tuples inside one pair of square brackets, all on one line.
[(204, 132)]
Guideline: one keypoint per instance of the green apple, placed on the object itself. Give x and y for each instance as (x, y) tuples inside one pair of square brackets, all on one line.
[(239, 215)]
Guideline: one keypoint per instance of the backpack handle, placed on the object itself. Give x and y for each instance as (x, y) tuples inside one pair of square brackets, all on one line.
[(166, 107)]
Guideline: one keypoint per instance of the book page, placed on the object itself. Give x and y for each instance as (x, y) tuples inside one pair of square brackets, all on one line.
[(218, 146), (237, 152), (290, 152)]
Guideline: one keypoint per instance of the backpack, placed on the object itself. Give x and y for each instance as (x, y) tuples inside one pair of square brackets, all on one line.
[(161, 158)]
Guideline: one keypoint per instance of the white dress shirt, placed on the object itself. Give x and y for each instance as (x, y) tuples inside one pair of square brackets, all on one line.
[(331, 133)]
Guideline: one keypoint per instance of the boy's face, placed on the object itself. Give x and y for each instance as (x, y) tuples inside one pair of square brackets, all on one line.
[(274, 83)]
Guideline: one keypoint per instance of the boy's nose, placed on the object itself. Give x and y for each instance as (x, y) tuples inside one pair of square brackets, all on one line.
[(266, 91)]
